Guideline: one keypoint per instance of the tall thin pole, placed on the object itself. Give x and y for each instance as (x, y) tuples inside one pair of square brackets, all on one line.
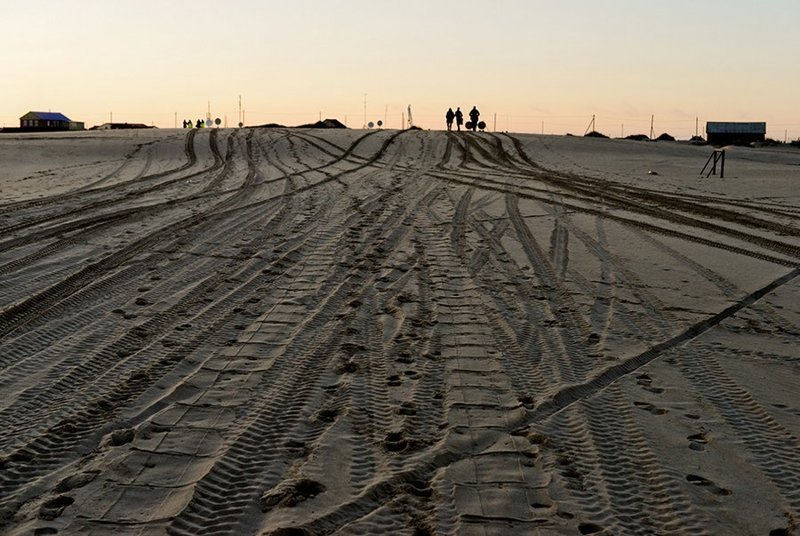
[(652, 133), (495, 121), (240, 110), (696, 126)]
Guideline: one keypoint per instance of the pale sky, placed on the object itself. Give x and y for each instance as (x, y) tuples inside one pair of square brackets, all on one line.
[(530, 62)]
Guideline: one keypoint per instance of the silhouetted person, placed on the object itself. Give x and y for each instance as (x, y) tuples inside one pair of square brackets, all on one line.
[(199, 123), (474, 114), (449, 116), (459, 118)]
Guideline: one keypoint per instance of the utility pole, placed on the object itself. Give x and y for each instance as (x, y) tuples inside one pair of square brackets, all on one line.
[(696, 126), (591, 126), (495, 121), (240, 109), (652, 118), (622, 130)]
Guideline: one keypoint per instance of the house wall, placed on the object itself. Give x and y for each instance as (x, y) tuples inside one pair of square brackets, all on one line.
[(733, 138)]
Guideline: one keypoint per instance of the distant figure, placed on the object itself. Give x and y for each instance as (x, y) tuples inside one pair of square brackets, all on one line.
[(474, 114), (199, 123), (449, 116), (459, 118)]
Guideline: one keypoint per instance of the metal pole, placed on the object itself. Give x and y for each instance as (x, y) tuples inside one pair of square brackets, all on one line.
[(495, 121), (240, 109)]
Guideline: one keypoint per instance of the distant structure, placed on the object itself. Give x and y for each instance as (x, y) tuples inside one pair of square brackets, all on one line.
[(726, 133), (325, 123), (120, 126), (47, 121)]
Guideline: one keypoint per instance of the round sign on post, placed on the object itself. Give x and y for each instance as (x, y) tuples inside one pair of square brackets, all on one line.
[(209, 122), (241, 124), (380, 123), (217, 121), (370, 124)]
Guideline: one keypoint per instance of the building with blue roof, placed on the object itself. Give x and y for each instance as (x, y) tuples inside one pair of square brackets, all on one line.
[(37, 121)]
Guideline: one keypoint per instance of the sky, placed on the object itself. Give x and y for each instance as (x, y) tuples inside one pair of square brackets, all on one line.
[(528, 65)]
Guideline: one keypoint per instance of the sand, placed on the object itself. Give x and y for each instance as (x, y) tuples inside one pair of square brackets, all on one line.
[(295, 332)]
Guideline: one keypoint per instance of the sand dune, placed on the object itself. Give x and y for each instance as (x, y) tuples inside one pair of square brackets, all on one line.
[(287, 332)]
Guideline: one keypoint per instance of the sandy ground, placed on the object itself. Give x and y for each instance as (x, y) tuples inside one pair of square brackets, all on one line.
[(297, 332)]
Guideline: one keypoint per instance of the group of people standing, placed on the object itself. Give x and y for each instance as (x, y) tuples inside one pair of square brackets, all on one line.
[(458, 116), (187, 123)]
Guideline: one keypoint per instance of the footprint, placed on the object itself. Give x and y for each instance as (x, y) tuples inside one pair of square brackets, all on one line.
[(327, 415), (395, 442), (76, 481), (290, 494), (647, 406), (527, 401), (698, 441), (407, 408), (646, 382), (122, 437), (707, 484), (589, 528), (55, 507)]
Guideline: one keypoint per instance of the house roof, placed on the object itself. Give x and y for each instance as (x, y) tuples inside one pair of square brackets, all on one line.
[(46, 116), (721, 127)]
